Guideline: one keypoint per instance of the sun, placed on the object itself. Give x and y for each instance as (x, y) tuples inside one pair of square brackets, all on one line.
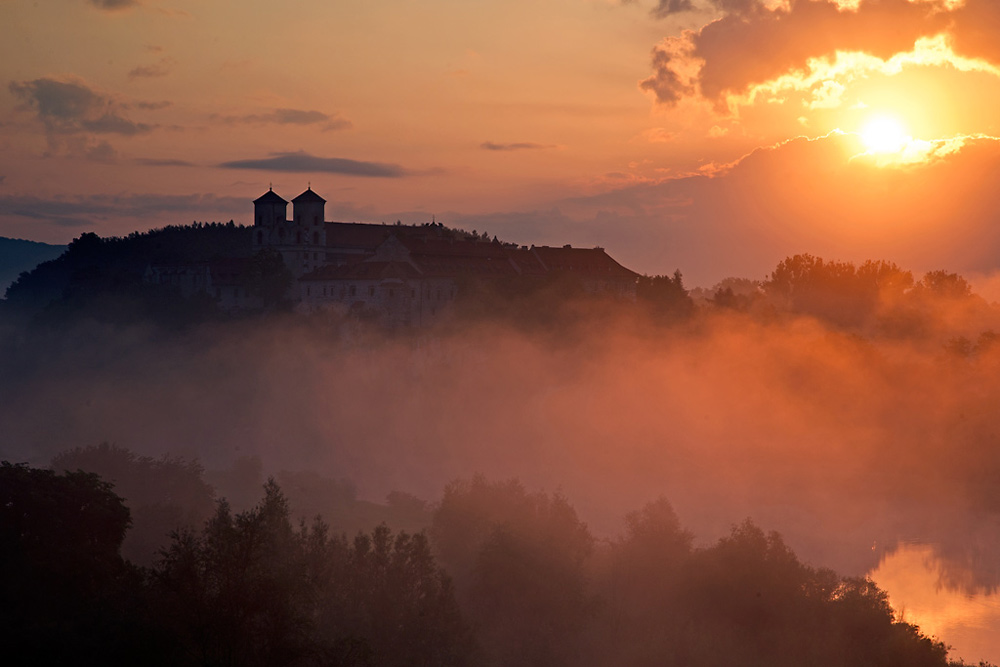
[(884, 134)]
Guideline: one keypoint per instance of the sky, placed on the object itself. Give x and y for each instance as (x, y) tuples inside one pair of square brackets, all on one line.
[(712, 136)]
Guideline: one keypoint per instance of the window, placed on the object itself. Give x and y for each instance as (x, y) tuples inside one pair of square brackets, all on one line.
[(353, 291), (315, 238), (392, 293), (298, 237), (371, 291), (260, 237)]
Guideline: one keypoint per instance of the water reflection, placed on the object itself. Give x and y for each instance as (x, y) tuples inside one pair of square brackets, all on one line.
[(923, 589)]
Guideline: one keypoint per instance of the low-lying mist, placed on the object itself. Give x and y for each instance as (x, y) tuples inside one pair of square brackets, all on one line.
[(846, 443)]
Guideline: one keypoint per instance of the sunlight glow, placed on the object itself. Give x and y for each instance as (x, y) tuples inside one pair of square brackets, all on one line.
[(912, 576), (824, 80), (884, 134)]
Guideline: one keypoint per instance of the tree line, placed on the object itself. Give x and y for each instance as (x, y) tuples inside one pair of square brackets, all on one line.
[(500, 576)]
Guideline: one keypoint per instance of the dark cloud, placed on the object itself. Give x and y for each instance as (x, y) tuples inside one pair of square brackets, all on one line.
[(975, 26), (102, 152), (155, 70), (302, 162), (665, 8), (668, 83), (113, 5), (523, 145), (751, 44), (95, 210), (69, 107), (153, 106), (292, 117), (152, 162)]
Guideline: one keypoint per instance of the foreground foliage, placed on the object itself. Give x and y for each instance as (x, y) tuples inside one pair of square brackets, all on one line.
[(533, 587)]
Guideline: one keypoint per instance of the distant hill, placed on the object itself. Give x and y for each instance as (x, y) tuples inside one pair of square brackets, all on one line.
[(17, 256), (102, 278)]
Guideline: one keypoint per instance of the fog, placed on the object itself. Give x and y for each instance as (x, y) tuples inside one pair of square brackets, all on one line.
[(847, 443)]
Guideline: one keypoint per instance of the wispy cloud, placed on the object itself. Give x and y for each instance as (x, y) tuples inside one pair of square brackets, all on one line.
[(156, 70), (71, 106), (292, 117), (152, 162), (302, 162), (665, 8), (114, 5), (517, 146), (92, 210)]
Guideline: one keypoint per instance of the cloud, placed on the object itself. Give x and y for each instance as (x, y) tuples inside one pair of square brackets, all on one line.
[(292, 117), (756, 43), (302, 162), (524, 145), (102, 152), (67, 107), (160, 69), (95, 210), (152, 162), (665, 8), (114, 5)]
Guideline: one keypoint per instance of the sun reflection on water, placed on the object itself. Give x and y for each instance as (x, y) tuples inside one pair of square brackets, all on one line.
[(967, 622)]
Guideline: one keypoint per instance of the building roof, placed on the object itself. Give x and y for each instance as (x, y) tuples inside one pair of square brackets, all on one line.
[(449, 257), (588, 262), (525, 261), (269, 197), (308, 196)]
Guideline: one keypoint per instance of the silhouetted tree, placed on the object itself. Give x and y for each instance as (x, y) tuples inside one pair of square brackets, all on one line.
[(250, 589), (518, 561), (665, 295), (163, 494), (66, 595)]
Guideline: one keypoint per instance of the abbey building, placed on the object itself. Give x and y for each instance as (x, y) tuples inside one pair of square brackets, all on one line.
[(400, 275)]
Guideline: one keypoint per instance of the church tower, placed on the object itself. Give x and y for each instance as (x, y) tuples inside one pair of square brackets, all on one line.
[(270, 212), (308, 209)]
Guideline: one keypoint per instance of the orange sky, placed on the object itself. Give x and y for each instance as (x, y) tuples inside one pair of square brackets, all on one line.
[(714, 136)]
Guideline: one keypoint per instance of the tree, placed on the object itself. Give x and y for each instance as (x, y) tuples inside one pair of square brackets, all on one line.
[(66, 595), (665, 295), (518, 562), (163, 494), (252, 590), (237, 593)]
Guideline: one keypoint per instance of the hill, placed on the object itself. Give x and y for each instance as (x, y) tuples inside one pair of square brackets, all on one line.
[(18, 256)]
